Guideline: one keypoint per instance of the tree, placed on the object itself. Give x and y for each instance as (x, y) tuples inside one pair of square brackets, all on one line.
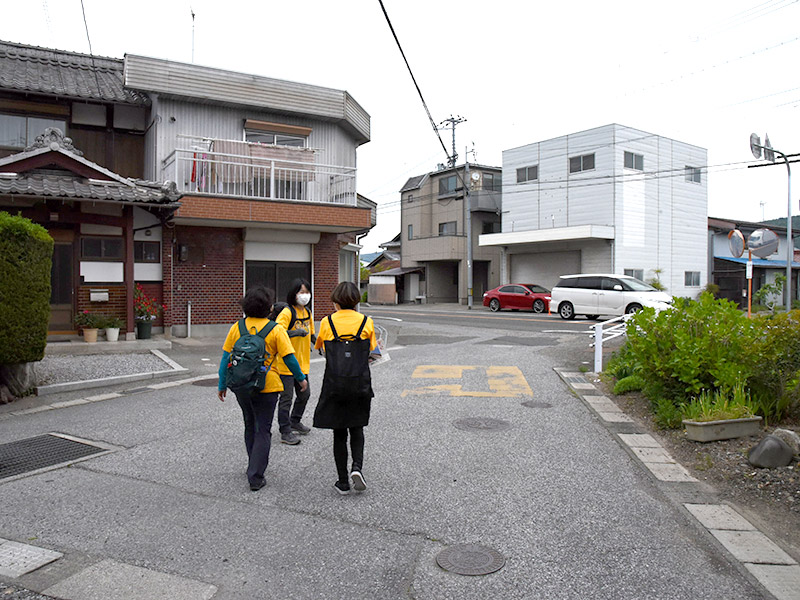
[(770, 294), (26, 253)]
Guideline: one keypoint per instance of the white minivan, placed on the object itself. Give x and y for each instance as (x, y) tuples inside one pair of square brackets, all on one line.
[(601, 294)]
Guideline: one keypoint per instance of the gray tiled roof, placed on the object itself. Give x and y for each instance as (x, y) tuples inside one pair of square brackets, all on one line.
[(413, 183), (53, 184), (66, 74)]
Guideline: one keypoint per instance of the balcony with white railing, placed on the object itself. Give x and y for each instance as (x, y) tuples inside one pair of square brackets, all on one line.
[(256, 171)]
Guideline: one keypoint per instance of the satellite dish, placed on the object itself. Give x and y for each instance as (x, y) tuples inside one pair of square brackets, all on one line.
[(763, 243), (755, 145), (736, 243)]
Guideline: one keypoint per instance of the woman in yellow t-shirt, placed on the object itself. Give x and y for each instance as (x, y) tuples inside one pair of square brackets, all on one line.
[(344, 402), (298, 321), (259, 409)]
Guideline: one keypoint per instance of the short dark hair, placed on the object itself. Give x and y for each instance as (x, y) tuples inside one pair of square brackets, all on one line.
[(257, 302), (346, 295), (291, 297)]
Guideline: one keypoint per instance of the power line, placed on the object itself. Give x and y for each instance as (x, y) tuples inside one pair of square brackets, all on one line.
[(414, 79), (91, 54)]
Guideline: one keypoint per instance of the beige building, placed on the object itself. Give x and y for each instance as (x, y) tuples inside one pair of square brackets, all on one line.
[(434, 235)]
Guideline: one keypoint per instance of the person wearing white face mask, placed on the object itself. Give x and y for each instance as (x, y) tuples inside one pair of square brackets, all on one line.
[(298, 321)]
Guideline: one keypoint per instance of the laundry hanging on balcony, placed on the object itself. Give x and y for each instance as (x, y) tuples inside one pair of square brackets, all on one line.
[(231, 162)]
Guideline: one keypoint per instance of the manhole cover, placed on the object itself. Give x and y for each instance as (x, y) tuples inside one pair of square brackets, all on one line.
[(206, 382), (482, 424), (470, 559), (533, 404), (42, 451)]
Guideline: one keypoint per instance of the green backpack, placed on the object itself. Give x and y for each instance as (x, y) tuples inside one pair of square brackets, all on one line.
[(246, 370)]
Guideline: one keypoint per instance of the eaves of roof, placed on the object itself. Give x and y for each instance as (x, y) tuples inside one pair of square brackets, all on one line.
[(64, 74)]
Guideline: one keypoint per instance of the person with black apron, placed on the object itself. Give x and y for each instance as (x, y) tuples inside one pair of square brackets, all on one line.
[(347, 338)]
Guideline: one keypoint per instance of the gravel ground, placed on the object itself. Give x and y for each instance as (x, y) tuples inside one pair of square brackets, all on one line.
[(8, 592), (773, 494), (64, 369)]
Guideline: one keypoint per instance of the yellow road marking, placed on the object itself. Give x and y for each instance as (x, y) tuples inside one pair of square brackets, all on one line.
[(502, 381)]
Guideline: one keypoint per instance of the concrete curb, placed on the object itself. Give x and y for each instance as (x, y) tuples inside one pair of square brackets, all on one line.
[(69, 386), (747, 547)]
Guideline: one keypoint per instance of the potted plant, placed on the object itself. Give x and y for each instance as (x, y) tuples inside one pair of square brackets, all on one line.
[(89, 323), (146, 310), (716, 415), (112, 326)]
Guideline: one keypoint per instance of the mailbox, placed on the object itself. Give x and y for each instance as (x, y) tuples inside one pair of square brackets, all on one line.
[(98, 295)]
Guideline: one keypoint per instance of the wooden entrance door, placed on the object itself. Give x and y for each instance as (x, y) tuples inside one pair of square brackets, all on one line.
[(62, 284)]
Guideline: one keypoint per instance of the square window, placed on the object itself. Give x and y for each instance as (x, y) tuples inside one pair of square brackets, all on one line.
[(528, 174), (448, 228), (147, 252), (100, 248), (693, 174), (575, 164), (691, 278), (635, 273), (634, 161), (581, 163), (448, 185)]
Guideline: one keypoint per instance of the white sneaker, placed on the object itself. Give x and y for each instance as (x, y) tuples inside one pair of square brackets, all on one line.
[(359, 484)]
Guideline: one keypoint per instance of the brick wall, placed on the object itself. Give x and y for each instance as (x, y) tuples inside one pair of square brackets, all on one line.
[(212, 277), (326, 273), (115, 307)]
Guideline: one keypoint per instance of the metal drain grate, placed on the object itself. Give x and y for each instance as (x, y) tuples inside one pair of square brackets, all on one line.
[(43, 451), (205, 382), (470, 559), (481, 424)]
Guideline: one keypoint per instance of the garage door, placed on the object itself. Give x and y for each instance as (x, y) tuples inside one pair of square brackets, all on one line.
[(544, 268)]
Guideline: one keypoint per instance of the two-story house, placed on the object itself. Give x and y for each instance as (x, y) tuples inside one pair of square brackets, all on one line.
[(607, 200), (434, 236), (264, 172)]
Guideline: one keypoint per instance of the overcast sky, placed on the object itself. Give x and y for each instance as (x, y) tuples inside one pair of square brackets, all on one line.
[(708, 73)]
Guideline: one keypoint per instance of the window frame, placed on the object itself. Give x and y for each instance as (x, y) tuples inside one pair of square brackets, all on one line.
[(693, 174), (103, 257), (31, 137), (138, 256), (443, 183), (584, 159), (443, 232), (410, 231), (635, 273), (636, 161), (694, 275), (524, 173)]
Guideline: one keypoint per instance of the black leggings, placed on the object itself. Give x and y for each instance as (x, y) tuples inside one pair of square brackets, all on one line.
[(340, 451)]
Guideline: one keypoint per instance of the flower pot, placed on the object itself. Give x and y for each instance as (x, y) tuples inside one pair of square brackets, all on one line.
[(710, 431), (112, 334), (90, 335), (144, 330)]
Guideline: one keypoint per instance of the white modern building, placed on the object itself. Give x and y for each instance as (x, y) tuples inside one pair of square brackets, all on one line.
[(607, 200)]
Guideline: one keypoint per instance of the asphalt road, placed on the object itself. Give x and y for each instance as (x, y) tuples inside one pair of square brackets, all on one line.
[(570, 511)]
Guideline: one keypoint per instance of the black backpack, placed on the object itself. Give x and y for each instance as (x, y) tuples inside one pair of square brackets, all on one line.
[(246, 370), (347, 357)]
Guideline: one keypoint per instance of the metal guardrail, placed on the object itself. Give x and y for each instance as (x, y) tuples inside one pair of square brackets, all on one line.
[(607, 330)]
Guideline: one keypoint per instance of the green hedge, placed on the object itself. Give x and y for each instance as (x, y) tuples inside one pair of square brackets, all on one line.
[(26, 254), (709, 345)]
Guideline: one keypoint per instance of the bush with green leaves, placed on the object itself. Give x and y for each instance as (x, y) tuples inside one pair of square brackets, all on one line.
[(709, 346), (26, 253)]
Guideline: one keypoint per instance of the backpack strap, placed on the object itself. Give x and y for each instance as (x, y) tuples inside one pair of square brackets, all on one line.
[(242, 328), (360, 329), (333, 329), (265, 330), (293, 320)]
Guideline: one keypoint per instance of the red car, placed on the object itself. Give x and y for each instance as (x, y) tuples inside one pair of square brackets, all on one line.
[(518, 296)]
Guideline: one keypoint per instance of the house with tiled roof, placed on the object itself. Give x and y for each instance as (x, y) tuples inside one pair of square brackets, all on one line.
[(251, 180)]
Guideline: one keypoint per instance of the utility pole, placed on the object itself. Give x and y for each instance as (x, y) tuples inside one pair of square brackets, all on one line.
[(468, 226), (450, 123), (191, 10)]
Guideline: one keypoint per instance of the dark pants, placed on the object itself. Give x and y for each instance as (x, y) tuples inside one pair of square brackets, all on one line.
[(340, 451), (258, 412), (291, 387)]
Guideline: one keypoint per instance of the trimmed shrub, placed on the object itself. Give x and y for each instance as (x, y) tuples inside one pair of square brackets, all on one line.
[(26, 253)]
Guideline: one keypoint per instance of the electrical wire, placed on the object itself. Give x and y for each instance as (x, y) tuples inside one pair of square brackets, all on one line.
[(91, 54), (414, 79)]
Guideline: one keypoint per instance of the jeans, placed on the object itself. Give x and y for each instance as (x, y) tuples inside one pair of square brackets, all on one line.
[(258, 411), (340, 451), (290, 387)]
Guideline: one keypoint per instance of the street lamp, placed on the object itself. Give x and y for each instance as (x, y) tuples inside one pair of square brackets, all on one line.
[(769, 154)]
